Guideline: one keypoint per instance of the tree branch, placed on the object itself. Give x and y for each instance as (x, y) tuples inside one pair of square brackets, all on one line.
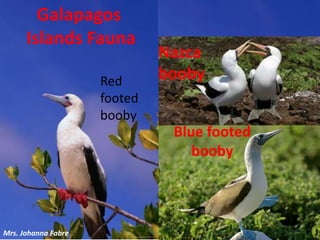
[(104, 204), (129, 150), (32, 187)]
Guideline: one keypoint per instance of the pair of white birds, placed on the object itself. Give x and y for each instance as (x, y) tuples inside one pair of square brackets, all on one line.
[(264, 82)]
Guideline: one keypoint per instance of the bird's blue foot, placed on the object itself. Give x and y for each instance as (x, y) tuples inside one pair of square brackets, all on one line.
[(269, 201), (249, 235)]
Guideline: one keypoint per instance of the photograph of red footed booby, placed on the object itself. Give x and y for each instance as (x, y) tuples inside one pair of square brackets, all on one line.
[(29, 120), (287, 94), (194, 172), (80, 165)]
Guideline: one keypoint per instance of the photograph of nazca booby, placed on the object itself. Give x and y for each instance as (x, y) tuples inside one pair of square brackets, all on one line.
[(291, 167), (275, 80)]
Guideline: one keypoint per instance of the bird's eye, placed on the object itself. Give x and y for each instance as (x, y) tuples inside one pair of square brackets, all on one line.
[(66, 97), (268, 51)]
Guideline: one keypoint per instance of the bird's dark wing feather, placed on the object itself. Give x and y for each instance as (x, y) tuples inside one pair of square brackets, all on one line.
[(96, 177), (210, 91), (58, 159), (224, 201)]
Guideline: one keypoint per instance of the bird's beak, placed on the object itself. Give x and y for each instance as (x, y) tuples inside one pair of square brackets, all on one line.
[(243, 48), (59, 99), (259, 46), (269, 135)]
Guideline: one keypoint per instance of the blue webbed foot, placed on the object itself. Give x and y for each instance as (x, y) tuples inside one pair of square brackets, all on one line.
[(269, 201), (249, 235)]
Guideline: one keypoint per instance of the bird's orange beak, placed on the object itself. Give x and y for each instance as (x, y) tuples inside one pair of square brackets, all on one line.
[(264, 52), (243, 48)]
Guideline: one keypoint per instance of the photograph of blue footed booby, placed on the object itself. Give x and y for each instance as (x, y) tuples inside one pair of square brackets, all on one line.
[(266, 81), (266, 188)]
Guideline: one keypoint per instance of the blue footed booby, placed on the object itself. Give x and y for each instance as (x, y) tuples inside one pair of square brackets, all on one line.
[(264, 82), (80, 166), (243, 195), (227, 89)]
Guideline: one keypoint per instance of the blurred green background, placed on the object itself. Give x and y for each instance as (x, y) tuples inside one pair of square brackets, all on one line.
[(292, 166)]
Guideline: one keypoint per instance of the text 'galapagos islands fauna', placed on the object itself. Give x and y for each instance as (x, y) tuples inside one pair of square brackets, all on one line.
[(77, 17)]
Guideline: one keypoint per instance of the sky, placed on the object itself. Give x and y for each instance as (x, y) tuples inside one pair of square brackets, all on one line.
[(28, 120)]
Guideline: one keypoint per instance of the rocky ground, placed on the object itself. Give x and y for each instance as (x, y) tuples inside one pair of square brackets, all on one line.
[(175, 107)]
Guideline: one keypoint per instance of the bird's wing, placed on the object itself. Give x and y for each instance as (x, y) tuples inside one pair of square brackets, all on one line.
[(251, 79), (98, 182), (58, 159), (214, 88), (224, 201), (236, 180), (279, 84), (220, 83), (96, 175)]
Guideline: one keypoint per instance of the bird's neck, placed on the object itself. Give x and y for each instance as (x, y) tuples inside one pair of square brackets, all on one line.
[(235, 72), (72, 120), (253, 163)]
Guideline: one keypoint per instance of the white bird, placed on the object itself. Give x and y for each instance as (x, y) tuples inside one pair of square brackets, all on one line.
[(80, 166), (245, 194), (227, 89), (264, 82)]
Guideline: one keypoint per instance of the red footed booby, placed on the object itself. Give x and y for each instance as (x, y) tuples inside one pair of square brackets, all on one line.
[(264, 82), (227, 89), (243, 195), (80, 166)]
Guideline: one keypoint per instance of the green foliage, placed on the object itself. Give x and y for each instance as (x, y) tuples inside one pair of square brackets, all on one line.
[(188, 181), (40, 161), (149, 139), (12, 172), (75, 231), (299, 67), (130, 231), (53, 205), (126, 135)]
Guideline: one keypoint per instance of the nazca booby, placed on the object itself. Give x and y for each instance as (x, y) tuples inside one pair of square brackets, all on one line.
[(264, 82), (227, 89), (80, 166), (243, 195)]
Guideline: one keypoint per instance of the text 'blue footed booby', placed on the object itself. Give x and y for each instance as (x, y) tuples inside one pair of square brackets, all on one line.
[(227, 89), (80, 166), (264, 82), (243, 195)]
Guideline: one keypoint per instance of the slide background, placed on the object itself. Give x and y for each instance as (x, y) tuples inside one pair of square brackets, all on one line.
[(238, 18)]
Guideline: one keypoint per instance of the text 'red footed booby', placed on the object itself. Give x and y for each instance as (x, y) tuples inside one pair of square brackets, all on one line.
[(245, 194), (264, 82), (227, 89), (80, 166)]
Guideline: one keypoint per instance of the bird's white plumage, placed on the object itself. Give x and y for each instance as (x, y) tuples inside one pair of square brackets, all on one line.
[(233, 84), (265, 79), (74, 147)]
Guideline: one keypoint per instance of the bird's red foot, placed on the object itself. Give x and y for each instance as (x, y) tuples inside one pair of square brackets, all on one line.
[(64, 194), (81, 198)]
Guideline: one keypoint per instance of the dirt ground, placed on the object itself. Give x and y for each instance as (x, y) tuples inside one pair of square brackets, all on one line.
[(295, 108)]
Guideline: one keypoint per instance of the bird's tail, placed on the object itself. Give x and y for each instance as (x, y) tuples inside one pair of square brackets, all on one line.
[(94, 222), (201, 86), (198, 210)]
